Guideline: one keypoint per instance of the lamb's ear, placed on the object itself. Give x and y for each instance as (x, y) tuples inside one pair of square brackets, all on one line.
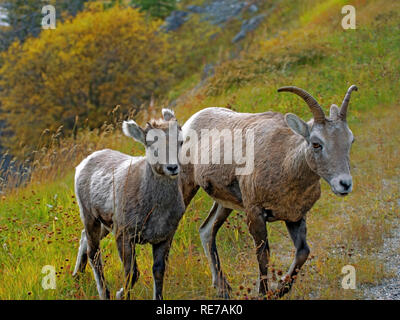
[(168, 114), (132, 129), (297, 125)]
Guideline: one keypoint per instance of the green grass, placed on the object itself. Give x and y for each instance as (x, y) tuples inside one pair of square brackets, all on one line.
[(40, 224)]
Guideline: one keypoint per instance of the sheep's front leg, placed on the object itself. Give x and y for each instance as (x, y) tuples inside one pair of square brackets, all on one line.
[(257, 227), (126, 250), (298, 233), (160, 257)]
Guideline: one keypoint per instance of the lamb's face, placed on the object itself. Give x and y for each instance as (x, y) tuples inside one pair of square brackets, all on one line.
[(162, 149), (162, 139)]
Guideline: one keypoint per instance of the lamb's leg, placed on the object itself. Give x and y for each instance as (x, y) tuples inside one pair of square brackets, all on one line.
[(93, 236), (208, 232), (81, 259), (257, 227), (160, 257), (298, 233), (127, 254)]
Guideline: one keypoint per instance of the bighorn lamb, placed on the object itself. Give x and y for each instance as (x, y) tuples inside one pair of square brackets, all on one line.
[(138, 199), (290, 157)]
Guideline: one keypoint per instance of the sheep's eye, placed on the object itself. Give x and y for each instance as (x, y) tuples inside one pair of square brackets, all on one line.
[(316, 145)]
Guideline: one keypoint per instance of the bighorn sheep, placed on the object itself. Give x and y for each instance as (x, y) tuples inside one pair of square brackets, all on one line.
[(290, 157), (139, 199)]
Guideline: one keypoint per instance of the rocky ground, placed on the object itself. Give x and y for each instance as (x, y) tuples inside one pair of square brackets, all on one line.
[(219, 12), (388, 289)]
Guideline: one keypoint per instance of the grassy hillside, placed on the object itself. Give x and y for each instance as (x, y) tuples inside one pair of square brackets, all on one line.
[(302, 45)]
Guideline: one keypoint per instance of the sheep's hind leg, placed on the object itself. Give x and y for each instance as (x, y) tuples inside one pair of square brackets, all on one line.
[(93, 232), (298, 233), (81, 260), (127, 254), (208, 232)]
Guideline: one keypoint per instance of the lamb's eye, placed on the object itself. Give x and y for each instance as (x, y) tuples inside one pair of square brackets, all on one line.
[(316, 145)]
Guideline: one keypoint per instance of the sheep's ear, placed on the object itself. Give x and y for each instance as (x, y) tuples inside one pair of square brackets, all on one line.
[(334, 112), (132, 129), (297, 125), (168, 114)]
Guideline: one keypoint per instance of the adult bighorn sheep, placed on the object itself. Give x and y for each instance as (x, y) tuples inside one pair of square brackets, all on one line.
[(290, 157), (138, 198)]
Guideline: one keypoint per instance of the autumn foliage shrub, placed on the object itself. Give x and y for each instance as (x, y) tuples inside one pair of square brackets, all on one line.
[(86, 66)]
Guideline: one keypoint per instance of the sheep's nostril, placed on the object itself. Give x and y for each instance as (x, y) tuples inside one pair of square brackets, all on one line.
[(172, 168), (345, 184)]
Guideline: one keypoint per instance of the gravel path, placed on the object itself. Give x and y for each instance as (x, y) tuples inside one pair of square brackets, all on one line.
[(388, 289)]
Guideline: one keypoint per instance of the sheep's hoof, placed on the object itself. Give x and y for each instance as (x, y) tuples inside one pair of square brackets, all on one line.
[(105, 295), (77, 275), (284, 287), (123, 295), (224, 290), (224, 294), (120, 294)]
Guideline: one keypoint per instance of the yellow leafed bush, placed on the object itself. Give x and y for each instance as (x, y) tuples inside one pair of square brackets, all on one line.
[(86, 66)]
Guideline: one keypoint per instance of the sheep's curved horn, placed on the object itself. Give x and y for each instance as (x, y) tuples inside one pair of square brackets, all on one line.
[(319, 116), (345, 103)]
